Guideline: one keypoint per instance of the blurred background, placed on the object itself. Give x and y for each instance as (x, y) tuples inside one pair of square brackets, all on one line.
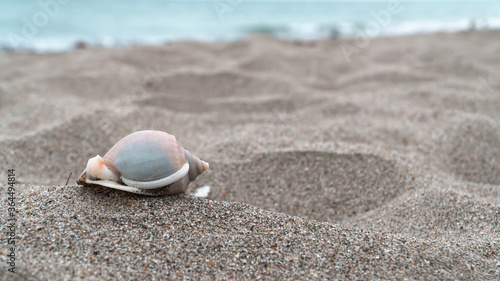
[(51, 25)]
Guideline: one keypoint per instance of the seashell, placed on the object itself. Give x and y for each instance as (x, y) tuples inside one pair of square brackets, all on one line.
[(145, 162)]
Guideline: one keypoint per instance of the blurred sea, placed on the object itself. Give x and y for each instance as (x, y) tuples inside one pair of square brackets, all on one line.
[(55, 25)]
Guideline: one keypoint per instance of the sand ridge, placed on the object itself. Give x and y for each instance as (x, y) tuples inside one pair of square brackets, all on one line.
[(386, 167)]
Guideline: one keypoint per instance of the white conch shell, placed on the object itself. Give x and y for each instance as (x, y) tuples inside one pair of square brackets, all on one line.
[(145, 162)]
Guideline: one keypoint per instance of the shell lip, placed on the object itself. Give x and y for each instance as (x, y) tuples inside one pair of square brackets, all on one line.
[(158, 183), (118, 186), (151, 188)]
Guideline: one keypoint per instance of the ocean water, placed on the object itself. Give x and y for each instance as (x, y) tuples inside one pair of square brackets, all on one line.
[(55, 25)]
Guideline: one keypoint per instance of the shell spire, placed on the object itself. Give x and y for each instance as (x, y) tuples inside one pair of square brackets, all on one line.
[(196, 166)]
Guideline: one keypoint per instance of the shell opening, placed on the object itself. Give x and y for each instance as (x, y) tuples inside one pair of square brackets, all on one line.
[(98, 170)]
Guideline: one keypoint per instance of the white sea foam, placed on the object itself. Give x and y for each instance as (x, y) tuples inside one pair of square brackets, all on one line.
[(156, 22)]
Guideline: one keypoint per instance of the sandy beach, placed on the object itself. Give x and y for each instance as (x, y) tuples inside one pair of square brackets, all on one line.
[(383, 165)]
